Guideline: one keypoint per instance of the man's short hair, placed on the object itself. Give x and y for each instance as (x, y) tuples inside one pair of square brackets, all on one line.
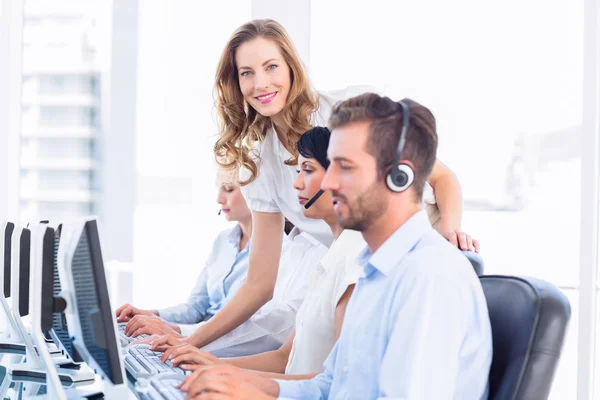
[(385, 124)]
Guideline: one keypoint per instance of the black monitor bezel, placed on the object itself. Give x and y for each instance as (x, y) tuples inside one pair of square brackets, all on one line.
[(8, 232), (24, 271)]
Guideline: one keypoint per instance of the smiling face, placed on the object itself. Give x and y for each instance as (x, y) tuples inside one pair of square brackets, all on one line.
[(308, 183), (264, 76), (359, 197), (230, 198)]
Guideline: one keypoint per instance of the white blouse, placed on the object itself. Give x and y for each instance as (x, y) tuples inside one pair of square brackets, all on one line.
[(315, 321), (272, 190)]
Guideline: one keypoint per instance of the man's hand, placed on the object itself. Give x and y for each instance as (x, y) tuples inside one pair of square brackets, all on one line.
[(225, 382), (127, 311), (462, 240), (150, 325)]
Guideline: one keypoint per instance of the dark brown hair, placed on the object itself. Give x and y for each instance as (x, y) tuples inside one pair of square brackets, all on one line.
[(385, 124)]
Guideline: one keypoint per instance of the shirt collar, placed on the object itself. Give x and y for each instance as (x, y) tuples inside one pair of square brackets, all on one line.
[(235, 236), (397, 246), (298, 235)]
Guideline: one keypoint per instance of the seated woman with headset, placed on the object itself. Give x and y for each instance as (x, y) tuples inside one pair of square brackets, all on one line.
[(226, 266), (319, 319)]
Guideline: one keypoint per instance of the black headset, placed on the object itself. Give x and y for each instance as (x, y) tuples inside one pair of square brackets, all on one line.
[(401, 176)]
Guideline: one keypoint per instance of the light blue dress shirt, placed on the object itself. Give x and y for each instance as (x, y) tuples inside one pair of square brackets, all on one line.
[(225, 271), (416, 326)]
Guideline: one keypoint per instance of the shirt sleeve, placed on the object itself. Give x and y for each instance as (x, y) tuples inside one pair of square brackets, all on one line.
[(350, 271), (348, 275), (270, 325), (316, 388), (423, 362), (193, 310), (257, 193)]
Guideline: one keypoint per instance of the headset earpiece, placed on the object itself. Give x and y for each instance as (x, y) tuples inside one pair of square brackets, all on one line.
[(400, 178)]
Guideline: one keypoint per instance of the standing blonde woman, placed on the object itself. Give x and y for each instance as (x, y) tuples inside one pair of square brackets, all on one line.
[(265, 102)]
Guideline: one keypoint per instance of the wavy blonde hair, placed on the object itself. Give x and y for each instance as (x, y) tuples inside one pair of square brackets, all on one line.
[(240, 125)]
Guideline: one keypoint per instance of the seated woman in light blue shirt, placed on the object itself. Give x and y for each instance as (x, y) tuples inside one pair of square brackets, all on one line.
[(223, 274)]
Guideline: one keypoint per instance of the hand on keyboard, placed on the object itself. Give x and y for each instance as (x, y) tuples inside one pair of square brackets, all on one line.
[(126, 340), (144, 340), (188, 357), (127, 311), (139, 346), (150, 325), (227, 382), (142, 362), (165, 342)]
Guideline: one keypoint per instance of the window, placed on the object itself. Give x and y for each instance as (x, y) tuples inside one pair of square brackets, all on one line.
[(61, 110)]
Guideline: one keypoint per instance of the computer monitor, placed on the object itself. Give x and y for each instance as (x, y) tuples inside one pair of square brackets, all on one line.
[(42, 252), (9, 342), (92, 323), (55, 316), (24, 271), (8, 231), (43, 306), (28, 250), (20, 260), (47, 281)]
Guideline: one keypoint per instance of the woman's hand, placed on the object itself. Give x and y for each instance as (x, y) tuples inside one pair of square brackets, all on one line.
[(188, 357), (462, 240)]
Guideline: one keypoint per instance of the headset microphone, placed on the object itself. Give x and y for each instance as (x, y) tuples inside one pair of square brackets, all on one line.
[(315, 198), (219, 212)]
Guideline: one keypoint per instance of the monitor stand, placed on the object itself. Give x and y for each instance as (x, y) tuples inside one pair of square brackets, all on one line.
[(73, 373), (8, 345)]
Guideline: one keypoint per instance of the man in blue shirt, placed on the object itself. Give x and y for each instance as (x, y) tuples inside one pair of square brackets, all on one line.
[(417, 325)]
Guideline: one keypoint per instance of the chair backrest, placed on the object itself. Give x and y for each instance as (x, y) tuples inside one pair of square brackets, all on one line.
[(529, 319), (476, 261)]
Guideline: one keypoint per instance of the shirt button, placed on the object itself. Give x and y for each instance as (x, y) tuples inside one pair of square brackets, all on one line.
[(345, 369)]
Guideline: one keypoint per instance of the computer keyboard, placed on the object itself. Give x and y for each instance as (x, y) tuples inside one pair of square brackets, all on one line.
[(127, 340), (164, 387), (141, 362)]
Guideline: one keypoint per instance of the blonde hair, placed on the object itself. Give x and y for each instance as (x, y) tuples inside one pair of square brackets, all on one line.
[(240, 125), (228, 176)]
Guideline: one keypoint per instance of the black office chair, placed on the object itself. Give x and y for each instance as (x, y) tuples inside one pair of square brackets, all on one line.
[(476, 261), (529, 320)]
